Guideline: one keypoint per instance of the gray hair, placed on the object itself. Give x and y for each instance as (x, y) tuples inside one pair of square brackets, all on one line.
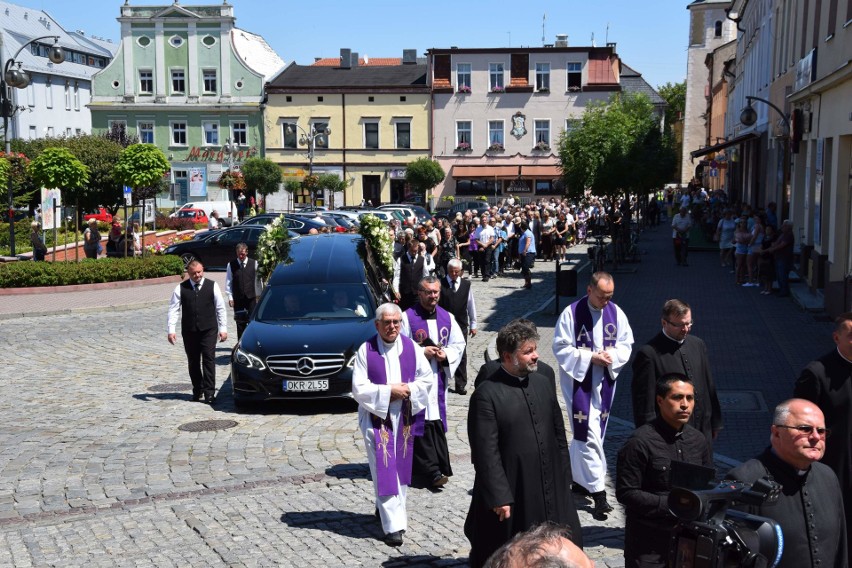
[(454, 263), (388, 308), (782, 412), (428, 280)]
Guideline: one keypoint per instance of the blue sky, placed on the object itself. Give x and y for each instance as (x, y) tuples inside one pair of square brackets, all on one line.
[(651, 36)]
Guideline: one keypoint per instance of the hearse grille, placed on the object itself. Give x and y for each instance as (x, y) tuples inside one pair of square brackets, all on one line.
[(306, 366)]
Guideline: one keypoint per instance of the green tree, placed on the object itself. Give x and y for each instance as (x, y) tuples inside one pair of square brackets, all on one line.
[(5, 168), (59, 168), (331, 182), (261, 175), (142, 167), (675, 96), (423, 174)]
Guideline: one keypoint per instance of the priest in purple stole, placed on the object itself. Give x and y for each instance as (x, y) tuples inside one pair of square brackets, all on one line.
[(436, 331), (592, 342), (391, 380)]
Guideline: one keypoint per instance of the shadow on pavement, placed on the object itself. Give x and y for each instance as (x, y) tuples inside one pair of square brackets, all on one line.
[(421, 560), (349, 471), (343, 523)]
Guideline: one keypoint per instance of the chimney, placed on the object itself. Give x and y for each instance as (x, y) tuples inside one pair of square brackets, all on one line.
[(345, 58), (611, 45), (409, 56), (561, 40), (354, 59)]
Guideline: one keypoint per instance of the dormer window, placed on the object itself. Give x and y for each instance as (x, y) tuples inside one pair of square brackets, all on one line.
[(717, 32)]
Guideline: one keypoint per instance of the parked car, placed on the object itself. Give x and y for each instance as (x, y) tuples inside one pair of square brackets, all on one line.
[(315, 312), (420, 213), (159, 218), (386, 215), (227, 210), (329, 221), (216, 248), (301, 225), (461, 207), (196, 215), (102, 215), (407, 213)]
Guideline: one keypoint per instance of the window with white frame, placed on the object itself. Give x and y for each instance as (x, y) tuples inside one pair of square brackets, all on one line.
[(463, 77), (572, 124), (78, 131), (146, 82), (31, 95), (575, 76), (495, 134), (542, 77), (403, 134), (542, 132), (50, 132), (239, 133), (290, 133), (211, 132), (145, 130), (321, 138), (33, 132), (209, 77), (463, 131), (178, 132), (371, 134), (48, 94), (76, 96), (68, 132), (67, 96), (178, 81), (495, 77)]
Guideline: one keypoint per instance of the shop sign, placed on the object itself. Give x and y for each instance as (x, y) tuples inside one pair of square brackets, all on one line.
[(396, 174), (520, 186), (207, 154)]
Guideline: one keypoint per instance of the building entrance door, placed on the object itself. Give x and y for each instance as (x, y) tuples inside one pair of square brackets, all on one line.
[(372, 190)]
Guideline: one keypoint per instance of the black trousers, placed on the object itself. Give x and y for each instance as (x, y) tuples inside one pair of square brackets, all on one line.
[(431, 453), (487, 261), (200, 347), (461, 371), (243, 304)]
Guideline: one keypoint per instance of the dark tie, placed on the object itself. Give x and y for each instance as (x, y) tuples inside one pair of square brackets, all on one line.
[(243, 263), (453, 285), (197, 287)]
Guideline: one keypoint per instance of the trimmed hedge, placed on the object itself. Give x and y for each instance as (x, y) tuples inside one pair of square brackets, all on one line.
[(26, 273)]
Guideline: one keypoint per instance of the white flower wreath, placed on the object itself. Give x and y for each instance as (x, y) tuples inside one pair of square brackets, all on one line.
[(273, 247), (378, 240)]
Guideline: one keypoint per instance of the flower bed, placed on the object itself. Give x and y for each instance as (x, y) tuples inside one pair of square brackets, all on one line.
[(87, 271)]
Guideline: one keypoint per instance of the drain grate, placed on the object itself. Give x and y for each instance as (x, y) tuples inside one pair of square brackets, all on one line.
[(742, 401), (207, 425), (171, 387)]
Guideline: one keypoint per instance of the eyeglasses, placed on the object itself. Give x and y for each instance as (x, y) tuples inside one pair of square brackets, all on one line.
[(808, 430), (684, 325), (389, 323)]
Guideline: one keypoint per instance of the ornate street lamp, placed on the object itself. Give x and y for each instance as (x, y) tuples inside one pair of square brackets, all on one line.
[(748, 116), (230, 150), (309, 139), (15, 76)]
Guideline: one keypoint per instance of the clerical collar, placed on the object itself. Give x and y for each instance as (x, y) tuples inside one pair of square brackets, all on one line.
[(520, 379), (592, 307), (842, 357), (672, 338), (799, 472)]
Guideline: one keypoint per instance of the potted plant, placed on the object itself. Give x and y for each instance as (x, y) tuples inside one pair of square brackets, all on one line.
[(463, 147), (542, 146), (544, 90), (464, 89), (232, 180), (496, 147), (573, 89), (449, 199), (497, 89)]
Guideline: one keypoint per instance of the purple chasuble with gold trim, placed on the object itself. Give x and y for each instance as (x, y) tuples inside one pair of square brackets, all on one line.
[(417, 318), (394, 450), (584, 338)]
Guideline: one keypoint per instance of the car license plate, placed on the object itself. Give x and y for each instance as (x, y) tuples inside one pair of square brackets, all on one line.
[(306, 386)]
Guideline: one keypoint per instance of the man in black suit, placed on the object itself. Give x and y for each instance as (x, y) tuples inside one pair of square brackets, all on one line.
[(457, 298), (201, 308), (408, 271), (674, 350), (519, 448), (242, 284)]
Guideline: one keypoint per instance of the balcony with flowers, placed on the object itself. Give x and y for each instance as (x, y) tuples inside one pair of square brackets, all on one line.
[(463, 90), (496, 147), (464, 147), (541, 146)]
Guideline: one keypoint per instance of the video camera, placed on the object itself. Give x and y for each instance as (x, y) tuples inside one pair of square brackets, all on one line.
[(712, 536)]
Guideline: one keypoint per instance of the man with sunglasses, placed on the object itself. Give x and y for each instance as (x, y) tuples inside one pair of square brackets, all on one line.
[(675, 351), (808, 510)]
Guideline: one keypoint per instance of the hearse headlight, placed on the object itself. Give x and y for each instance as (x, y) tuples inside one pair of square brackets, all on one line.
[(246, 359)]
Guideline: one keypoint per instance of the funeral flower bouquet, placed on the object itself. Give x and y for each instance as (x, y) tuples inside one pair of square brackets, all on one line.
[(379, 245), (273, 247)]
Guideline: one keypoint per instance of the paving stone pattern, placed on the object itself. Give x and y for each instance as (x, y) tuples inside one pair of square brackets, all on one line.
[(94, 471)]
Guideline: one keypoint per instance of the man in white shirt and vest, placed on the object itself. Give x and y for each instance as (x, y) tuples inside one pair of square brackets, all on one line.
[(242, 284), (457, 298)]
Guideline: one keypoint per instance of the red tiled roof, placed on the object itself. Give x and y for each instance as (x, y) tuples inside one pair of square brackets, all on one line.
[(601, 69), (370, 61)]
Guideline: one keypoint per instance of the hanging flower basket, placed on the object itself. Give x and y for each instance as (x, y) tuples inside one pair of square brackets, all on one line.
[(232, 180)]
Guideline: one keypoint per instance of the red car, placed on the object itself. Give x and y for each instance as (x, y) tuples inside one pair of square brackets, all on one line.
[(102, 216), (197, 215)]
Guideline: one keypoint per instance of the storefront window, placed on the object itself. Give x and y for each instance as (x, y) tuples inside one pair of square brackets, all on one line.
[(544, 186)]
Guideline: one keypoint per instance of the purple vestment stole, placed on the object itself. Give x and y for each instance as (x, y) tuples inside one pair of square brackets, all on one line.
[(417, 317), (584, 338), (394, 450)]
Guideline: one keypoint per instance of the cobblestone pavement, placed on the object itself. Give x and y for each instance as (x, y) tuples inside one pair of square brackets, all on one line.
[(94, 471)]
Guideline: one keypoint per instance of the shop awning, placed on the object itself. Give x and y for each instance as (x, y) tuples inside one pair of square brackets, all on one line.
[(541, 171), (485, 171), (723, 145)]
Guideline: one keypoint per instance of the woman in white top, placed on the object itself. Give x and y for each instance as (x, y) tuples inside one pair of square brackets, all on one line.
[(754, 247), (725, 237)]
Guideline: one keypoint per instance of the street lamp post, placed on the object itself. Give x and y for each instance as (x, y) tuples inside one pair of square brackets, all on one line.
[(230, 150), (309, 139), (748, 117), (19, 79)]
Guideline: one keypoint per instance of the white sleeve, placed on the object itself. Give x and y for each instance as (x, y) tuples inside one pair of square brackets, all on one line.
[(372, 397), (174, 311), (623, 345), (422, 384), (221, 314), (573, 362), (229, 277), (471, 310), (396, 270), (455, 346)]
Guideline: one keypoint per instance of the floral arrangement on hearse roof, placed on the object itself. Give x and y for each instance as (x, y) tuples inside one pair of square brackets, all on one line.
[(273, 248), (378, 248)]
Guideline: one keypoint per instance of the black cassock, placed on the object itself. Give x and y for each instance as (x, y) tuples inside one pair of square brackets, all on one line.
[(519, 450), (827, 382), (662, 356)]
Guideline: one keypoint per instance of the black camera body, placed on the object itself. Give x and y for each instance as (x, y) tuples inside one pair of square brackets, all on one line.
[(710, 535)]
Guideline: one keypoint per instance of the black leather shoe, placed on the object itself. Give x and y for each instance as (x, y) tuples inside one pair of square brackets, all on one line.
[(439, 480), (394, 538), (602, 506), (196, 397), (209, 399), (461, 390)]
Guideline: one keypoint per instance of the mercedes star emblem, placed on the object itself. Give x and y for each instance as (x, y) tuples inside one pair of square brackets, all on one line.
[(305, 365)]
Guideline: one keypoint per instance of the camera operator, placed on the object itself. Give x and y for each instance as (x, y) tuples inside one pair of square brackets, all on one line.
[(809, 509), (644, 466)]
